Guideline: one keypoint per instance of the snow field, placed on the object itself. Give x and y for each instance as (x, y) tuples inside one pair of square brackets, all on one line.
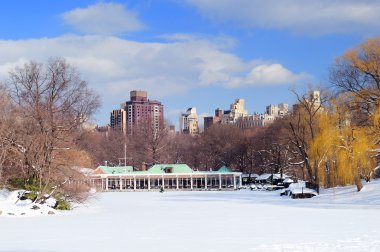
[(337, 220)]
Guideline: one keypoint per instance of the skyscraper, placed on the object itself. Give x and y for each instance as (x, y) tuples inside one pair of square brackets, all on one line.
[(118, 119), (189, 122), (140, 114)]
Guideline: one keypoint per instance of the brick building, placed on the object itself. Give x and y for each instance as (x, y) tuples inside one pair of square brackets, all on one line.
[(140, 114)]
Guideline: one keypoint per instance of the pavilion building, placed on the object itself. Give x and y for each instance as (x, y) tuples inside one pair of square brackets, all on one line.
[(166, 176)]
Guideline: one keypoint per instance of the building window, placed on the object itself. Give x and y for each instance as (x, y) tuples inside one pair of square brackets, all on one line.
[(169, 170)]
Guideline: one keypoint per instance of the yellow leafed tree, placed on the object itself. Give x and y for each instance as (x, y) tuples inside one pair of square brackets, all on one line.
[(344, 154)]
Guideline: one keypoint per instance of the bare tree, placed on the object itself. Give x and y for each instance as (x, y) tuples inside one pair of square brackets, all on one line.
[(148, 143), (358, 73), (7, 132), (303, 129), (52, 102), (103, 147), (219, 145)]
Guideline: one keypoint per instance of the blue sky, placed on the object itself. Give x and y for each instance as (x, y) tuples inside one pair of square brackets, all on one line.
[(202, 53)]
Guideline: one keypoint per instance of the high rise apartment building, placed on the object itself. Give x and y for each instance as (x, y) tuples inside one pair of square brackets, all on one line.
[(311, 100), (188, 122), (239, 116), (118, 120), (236, 111), (140, 114), (208, 121), (277, 110)]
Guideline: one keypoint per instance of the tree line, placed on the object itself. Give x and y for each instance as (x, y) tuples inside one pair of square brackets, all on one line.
[(330, 139)]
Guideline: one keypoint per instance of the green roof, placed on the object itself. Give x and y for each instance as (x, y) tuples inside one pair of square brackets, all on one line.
[(175, 168), (224, 169), (157, 169), (117, 169)]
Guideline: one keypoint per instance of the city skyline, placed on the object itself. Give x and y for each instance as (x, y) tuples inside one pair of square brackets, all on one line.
[(191, 53), (118, 118)]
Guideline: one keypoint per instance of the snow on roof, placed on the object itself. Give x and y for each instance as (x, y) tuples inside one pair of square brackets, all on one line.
[(253, 175), (288, 180), (300, 187), (300, 184), (278, 176), (266, 176), (303, 190)]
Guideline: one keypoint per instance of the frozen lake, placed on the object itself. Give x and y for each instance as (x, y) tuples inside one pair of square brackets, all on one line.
[(337, 220)]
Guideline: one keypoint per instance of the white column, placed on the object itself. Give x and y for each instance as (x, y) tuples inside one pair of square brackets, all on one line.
[(134, 183), (191, 182), (177, 182), (106, 184), (121, 184), (220, 181), (148, 183), (234, 181), (240, 181), (206, 181)]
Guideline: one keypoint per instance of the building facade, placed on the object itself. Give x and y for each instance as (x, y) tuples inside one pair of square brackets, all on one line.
[(312, 101), (279, 110), (208, 121), (237, 111), (238, 115), (255, 120), (118, 120), (165, 176), (139, 113), (188, 122)]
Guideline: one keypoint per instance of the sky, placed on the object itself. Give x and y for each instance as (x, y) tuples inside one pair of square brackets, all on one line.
[(189, 53)]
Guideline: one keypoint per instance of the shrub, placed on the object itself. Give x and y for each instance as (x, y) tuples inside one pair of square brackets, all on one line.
[(63, 205)]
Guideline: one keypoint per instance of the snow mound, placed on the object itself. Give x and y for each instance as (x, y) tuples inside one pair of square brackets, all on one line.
[(11, 205), (300, 188)]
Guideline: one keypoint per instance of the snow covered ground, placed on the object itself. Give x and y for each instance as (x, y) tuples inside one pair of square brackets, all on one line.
[(10, 205), (339, 219)]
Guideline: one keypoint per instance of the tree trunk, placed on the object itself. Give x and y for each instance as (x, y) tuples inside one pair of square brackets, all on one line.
[(358, 183)]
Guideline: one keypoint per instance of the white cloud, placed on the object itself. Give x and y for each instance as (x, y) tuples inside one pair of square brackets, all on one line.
[(103, 18), (222, 42), (114, 66), (273, 74), (268, 74), (301, 16)]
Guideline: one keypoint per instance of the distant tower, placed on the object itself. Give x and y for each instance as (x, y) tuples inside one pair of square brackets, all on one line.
[(138, 114), (237, 109), (315, 98), (118, 120), (189, 122)]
